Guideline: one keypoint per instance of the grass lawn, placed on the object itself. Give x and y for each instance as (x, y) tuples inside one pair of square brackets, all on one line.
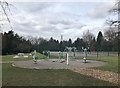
[(10, 57), (112, 63), (13, 76)]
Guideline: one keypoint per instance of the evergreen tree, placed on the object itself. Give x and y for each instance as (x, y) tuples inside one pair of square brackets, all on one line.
[(99, 41)]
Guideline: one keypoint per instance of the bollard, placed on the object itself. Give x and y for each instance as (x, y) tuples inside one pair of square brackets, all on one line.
[(67, 59)]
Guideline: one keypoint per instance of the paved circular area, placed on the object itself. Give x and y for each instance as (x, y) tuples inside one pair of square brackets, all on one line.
[(57, 64)]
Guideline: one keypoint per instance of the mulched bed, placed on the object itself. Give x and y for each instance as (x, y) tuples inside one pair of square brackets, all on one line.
[(102, 75)]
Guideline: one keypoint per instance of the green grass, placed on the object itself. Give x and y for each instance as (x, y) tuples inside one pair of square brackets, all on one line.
[(40, 56), (112, 63), (21, 58), (13, 76), (0, 74), (10, 58)]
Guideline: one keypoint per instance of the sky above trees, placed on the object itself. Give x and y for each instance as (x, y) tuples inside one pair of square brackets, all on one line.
[(53, 19)]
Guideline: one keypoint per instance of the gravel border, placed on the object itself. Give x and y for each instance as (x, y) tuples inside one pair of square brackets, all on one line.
[(99, 74)]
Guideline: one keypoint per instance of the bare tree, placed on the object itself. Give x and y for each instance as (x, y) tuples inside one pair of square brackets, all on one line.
[(110, 34), (88, 37), (35, 40), (116, 11), (4, 9)]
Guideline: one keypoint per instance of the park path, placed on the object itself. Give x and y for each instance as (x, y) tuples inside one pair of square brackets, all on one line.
[(99, 74)]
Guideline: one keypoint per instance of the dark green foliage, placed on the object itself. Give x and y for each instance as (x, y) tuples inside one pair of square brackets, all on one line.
[(13, 43), (99, 41), (79, 43)]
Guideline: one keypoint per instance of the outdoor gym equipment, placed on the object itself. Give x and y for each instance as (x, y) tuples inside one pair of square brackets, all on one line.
[(59, 55), (85, 54), (70, 50), (43, 54), (69, 55), (48, 54), (35, 57)]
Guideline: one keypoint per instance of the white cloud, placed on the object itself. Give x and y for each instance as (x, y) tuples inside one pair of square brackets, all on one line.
[(46, 25), (59, 0), (53, 19), (100, 10)]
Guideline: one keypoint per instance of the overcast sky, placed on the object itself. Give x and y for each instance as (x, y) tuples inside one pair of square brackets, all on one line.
[(53, 19)]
